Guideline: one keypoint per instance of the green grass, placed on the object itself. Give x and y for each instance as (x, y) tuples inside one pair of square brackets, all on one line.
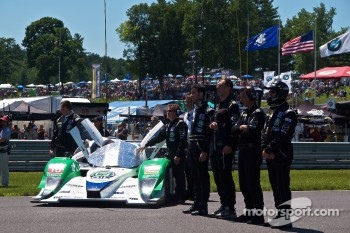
[(22, 184), (320, 100), (305, 180), (26, 183)]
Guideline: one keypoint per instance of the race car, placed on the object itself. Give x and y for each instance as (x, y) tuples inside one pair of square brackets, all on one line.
[(114, 172)]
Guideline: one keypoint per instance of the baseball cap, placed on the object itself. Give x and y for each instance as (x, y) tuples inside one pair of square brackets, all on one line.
[(4, 118)]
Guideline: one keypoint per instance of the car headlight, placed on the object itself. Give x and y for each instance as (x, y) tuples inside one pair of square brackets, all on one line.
[(147, 187)]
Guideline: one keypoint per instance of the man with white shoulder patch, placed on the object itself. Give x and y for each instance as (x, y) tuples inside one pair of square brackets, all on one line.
[(277, 147)]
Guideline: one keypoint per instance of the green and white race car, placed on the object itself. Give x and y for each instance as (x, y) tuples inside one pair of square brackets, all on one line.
[(115, 173)]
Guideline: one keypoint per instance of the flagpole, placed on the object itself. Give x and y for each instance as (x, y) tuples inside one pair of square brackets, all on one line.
[(247, 46), (279, 47), (315, 64), (239, 46)]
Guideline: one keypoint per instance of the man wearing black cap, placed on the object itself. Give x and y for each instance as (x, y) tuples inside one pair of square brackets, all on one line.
[(277, 149), (5, 134)]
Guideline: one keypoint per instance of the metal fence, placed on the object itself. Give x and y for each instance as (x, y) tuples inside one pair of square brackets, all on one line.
[(32, 155)]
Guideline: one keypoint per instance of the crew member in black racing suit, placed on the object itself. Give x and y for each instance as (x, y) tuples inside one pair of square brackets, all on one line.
[(62, 143), (199, 151), (175, 134), (247, 132), (278, 150), (223, 149)]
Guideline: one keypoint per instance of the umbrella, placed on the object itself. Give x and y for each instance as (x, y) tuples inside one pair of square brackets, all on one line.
[(179, 76), (218, 75), (20, 87)]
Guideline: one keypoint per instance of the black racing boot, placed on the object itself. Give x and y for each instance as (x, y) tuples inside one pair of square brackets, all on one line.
[(193, 207), (281, 220), (202, 209), (257, 218)]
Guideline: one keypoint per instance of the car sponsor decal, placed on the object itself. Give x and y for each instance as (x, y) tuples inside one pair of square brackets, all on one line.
[(55, 169), (151, 171), (101, 175)]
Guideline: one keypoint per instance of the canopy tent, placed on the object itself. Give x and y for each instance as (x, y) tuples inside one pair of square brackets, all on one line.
[(159, 110), (20, 110), (329, 73), (130, 108), (41, 102), (309, 113), (6, 85)]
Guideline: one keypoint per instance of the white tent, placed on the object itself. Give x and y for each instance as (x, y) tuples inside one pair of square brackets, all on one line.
[(21, 106), (129, 107), (6, 85), (115, 80), (41, 85)]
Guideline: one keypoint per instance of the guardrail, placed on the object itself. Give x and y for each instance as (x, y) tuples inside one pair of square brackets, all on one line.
[(32, 155), (29, 155), (321, 155)]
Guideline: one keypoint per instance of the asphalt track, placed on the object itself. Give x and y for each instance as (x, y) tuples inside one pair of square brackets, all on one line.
[(18, 214)]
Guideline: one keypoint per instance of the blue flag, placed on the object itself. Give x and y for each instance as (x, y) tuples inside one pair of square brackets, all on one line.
[(264, 40)]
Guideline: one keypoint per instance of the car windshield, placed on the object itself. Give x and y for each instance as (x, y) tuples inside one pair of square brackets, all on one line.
[(117, 154)]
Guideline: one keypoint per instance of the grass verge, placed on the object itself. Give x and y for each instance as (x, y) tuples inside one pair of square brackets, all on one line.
[(26, 183)]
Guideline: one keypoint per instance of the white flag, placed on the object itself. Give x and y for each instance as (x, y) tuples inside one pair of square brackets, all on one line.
[(285, 77), (338, 45), (268, 78)]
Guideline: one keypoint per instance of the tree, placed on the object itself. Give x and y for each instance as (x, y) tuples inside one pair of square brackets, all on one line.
[(154, 41), (303, 22), (52, 50), (262, 15), (159, 37), (12, 61)]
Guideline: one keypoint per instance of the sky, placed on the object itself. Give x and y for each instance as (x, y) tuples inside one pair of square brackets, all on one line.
[(86, 17)]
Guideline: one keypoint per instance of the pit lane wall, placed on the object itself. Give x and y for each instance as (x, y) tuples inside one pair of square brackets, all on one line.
[(32, 155)]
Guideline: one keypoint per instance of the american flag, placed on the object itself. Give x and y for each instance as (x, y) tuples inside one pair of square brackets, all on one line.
[(304, 43)]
